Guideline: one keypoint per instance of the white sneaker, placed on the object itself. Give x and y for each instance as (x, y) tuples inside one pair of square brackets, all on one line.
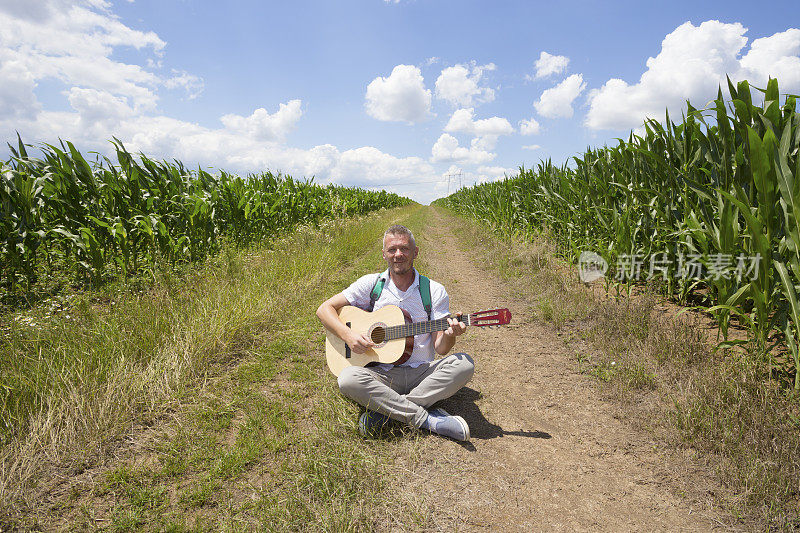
[(443, 423)]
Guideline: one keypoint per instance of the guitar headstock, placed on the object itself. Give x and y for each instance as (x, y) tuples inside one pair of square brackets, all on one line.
[(490, 317)]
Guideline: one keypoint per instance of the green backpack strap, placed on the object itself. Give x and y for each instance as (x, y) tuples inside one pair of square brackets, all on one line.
[(377, 289), (425, 293)]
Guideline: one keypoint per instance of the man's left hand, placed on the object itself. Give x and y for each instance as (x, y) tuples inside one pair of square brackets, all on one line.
[(456, 327)]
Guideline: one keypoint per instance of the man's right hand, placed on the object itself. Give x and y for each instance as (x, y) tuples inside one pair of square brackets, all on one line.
[(358, 342), (328, 314)]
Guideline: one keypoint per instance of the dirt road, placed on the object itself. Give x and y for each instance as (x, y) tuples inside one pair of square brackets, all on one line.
[(547, 452)]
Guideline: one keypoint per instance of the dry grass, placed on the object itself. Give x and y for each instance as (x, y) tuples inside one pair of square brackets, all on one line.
[(722, 403), (664, 373)]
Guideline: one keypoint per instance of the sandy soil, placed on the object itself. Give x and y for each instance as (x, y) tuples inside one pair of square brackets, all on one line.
[(547, 453)]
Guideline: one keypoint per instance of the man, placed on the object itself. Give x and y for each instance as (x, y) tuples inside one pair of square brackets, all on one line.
[(403, 392)]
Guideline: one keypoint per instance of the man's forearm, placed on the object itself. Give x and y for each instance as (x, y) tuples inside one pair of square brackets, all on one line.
[(444, 343), (330, 319), (328, 314)]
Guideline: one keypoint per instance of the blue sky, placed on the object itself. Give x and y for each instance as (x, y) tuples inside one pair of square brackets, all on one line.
[(373, 93)]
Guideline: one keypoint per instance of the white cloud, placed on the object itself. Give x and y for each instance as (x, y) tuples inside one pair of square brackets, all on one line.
[(98, 112), (530, 127), (17, 99), (777, 56), (495, 172), (399, 97), (368, 164), (486, 131), (531, 147), (692, 64), (556, 102), (230, 149), (263, 126), (73, 43), (69, 28), (446, 149), (459, 85), (463, 121), (193, 85), (483, 144), (26, 9), (549, 64)]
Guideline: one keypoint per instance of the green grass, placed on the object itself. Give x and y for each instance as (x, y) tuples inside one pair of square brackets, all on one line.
[(247, 428)]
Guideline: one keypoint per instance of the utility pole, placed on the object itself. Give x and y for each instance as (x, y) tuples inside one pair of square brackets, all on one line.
[(459, 175)]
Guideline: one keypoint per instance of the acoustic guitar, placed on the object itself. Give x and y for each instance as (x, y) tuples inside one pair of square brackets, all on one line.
[(392, 331)]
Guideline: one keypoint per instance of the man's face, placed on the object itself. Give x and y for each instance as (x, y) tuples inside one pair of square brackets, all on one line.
[(399, 253)]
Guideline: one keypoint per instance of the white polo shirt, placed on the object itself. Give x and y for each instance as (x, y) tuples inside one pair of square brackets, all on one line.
[(410, 300)]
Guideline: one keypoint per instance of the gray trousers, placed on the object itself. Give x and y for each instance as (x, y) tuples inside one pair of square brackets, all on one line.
[(403, 393)]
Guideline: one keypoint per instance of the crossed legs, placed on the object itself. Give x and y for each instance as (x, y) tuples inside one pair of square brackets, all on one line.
[(405, 393)]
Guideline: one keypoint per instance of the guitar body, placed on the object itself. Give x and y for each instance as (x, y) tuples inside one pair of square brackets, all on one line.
[(395, 351), (392, 331)]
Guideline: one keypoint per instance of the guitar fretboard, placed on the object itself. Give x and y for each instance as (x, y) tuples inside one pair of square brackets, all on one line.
[(421, 328)]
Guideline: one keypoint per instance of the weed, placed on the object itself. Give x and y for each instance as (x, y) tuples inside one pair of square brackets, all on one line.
[(604, 371), (219, 358)]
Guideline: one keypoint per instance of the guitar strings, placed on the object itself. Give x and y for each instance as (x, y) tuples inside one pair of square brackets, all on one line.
[(420, 328)]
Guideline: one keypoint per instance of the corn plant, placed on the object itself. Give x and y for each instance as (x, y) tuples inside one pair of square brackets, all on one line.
[(109, 218), (721, 186)]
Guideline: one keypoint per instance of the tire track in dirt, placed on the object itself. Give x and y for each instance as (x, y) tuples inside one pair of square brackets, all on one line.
[(547, 453)]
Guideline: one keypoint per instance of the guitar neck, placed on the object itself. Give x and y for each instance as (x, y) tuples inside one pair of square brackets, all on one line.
[(421, 328)]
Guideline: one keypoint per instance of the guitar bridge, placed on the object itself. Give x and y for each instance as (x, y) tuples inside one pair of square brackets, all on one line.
[(346, 346)]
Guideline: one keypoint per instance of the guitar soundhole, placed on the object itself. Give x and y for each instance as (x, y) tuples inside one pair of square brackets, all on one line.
[(378, 335)]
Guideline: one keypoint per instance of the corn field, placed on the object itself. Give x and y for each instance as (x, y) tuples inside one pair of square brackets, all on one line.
[(713, 203), (104, 219)]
